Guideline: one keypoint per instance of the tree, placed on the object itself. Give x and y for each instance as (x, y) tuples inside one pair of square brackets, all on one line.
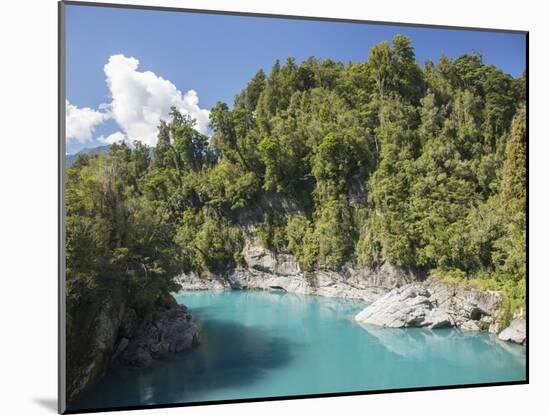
[(249, 97), (225, 139), (408, 78), (380, 59), (510, 253), (367, 162), (390, 231)]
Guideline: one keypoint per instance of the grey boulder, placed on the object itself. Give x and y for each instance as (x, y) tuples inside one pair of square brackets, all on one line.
[(470, 325), (515, 332), (408, 306)]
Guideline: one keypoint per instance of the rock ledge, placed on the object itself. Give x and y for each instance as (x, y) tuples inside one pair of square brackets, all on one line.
[(515, 332), (434, 304), (172, 331)]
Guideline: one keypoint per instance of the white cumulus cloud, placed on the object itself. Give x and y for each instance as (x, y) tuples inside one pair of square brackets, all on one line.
[(112, 138), (141, 99), (81, 122)]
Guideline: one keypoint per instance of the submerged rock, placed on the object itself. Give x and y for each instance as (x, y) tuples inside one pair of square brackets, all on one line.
[(515, 332), (409, 306), (141, 357)]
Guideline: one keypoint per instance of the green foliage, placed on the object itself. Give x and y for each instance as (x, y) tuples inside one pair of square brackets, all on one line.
[(396, 70), (371, 161), (334, 232), (391, 227), (380, 59), (302, 241), (119, 243), (272, 232), (248, 98), (493, 247), (208, 242), (509, 254), (228, 186)]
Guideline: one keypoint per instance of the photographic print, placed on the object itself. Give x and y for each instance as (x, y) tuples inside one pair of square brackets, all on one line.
[(260, 207)]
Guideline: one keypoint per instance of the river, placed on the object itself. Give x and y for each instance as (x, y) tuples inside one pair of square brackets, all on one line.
[(258, 344)]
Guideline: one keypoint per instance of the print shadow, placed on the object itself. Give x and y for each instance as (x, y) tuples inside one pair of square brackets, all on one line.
[(229, 355), (48, 403)]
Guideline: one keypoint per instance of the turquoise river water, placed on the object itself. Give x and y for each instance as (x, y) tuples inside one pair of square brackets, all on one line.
[(258, 344)]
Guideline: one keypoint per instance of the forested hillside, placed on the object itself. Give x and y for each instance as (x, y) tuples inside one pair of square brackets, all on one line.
[(384, 160)]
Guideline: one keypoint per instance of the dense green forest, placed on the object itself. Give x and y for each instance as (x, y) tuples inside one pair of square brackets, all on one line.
[(359, 163)]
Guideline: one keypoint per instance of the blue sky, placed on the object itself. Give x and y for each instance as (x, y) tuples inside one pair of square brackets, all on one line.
[(216, 55)]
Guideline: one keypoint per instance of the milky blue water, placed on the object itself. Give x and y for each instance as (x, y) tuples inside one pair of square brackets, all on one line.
[(259, 344)]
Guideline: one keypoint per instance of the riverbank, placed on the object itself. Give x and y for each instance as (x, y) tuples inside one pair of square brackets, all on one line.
[(267, 270), (120, 336), (434, 303)]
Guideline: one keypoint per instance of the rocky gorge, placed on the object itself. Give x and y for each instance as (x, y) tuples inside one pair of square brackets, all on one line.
[(397, 297), (119, 336)]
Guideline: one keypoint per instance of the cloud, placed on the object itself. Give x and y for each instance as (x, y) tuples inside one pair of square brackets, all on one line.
[(141, 99), (81, 122), (113, 138)]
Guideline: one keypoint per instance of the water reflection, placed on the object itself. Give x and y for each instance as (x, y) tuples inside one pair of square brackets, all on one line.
[(460, 348)]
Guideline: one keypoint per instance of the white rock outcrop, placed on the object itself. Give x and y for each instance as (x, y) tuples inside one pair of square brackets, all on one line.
[(397, 297), (516, 332), (409, 306), (267, 270)]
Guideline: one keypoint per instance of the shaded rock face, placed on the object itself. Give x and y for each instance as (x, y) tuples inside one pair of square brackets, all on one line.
[(116, 336), (515, 332), (129, 323), (434, 304), (268, 270), (466, 305), (101, 339), (263, 260), (172, 331)]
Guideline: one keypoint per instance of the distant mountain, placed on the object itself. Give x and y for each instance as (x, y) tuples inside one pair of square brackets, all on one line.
[(71, 158)]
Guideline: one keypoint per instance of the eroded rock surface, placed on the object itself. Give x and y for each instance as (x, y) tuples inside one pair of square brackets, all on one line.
[(267, 270), (172, 331), (465, 304), (516, 332), (118, 336), (409, 306), (398, 297), (434, 304)]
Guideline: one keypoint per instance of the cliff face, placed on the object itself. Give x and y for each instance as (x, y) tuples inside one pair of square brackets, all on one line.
[(268, 270), (117, 335), (89, 361), (436, 304)]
